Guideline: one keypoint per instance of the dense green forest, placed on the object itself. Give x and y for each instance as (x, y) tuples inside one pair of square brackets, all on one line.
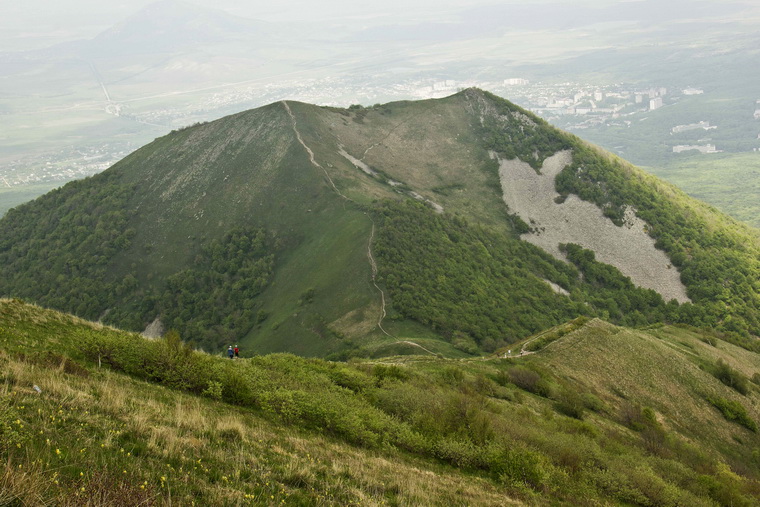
[(721, 271), (467, 280), (72, 237), (470, 283), (513, 132), (57, 250), (214, 302)]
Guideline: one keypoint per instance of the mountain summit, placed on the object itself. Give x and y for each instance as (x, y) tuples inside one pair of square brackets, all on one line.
[(174, 25), (463, 223)]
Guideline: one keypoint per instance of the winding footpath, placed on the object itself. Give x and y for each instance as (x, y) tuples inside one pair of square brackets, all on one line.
[(370, 256)]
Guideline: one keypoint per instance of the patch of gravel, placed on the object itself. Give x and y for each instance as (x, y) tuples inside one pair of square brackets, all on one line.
[(629, 248), (358, 163), (556, 288), (154, 330)]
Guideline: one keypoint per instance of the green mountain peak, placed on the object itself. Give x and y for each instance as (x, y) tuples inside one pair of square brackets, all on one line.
[(460, 225)]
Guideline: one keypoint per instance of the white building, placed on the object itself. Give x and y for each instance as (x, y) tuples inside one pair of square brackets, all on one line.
[(516, 81), (702, 148), (705, 125), (655, 103)]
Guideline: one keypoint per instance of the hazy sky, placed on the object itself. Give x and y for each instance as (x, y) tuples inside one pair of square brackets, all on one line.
[(32, 24), (37, 23)]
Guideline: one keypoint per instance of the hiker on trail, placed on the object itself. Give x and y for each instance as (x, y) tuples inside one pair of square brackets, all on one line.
[(237, 352), (230, 352)]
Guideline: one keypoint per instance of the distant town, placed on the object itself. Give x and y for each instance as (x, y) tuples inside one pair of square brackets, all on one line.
[(572, 106)]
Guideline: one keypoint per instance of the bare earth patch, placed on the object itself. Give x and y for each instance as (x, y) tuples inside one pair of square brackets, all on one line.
[(629, 248)]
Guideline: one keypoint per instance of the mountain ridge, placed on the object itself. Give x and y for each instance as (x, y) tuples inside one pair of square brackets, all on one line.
[(312, 181)]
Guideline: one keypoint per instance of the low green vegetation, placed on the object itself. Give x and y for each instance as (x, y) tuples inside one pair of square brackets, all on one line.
[(731, 377), (555, 334), (728, 181), (269, 428)]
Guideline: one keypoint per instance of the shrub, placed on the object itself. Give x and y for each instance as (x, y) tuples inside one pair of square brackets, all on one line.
[(529, 380), (465, 343), (710, 340), (452, 375), (389, 371), (213, 391), (733, 411), (732, 378), (592, 402), (523, 467), (570, 403)]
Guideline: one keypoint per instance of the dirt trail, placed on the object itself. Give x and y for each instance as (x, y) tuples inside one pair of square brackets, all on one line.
[(370, 256), (311, 153)]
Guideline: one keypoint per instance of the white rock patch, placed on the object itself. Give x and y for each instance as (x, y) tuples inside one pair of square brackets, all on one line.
[(358, 163), (629, 248), (556, 288)]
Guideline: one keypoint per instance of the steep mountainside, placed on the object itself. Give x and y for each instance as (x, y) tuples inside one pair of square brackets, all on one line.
[(316, 230)]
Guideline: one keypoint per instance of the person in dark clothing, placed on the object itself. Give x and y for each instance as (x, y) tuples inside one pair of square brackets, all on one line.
[(230, 352)]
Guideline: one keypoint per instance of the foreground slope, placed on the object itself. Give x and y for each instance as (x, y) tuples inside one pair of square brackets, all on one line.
[(589, 417), (299, 228)]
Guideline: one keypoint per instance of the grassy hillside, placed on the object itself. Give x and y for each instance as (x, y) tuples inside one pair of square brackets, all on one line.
[(261, 229), (599, 414)]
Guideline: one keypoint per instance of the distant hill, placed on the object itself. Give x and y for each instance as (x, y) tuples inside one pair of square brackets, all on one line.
[(596, 414), (320, 230), (165, 26)]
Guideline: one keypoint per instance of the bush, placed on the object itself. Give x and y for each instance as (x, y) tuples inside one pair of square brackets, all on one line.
[(732, 378), (529, 380), (389, 371), (734, 411), (523, 467), (452, 375), (570, 403), (213, 391)]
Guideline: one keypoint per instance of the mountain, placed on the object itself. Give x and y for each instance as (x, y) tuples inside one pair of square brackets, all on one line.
[(166, 26), (459, 225), (598, 414)]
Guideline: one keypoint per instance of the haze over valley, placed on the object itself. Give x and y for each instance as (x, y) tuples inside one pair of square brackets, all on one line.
[(637, 77)]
